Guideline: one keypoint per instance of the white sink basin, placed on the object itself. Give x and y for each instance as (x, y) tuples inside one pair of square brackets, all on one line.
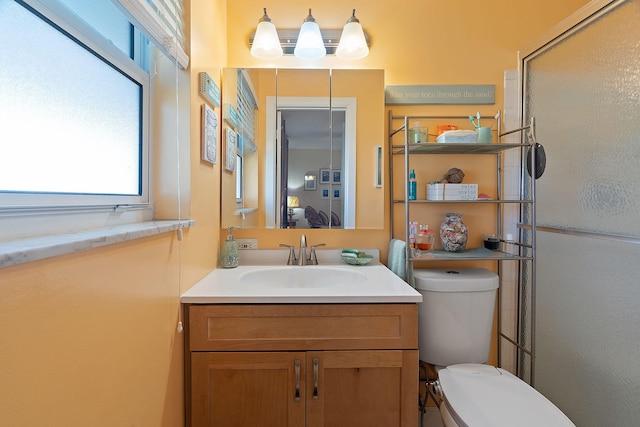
[(263, 278), (302, 277)]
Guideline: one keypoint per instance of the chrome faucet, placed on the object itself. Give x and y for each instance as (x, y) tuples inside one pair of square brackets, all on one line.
[(302, 252), (302, 258), (302, 255), (313, 259), (292, 254)]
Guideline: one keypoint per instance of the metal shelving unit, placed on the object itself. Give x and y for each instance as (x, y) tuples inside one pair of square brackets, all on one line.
[(522, 250)]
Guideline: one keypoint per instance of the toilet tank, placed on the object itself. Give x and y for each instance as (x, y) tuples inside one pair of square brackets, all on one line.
[(455, 317)]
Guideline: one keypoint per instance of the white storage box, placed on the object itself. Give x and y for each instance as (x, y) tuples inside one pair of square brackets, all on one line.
[(452, 191), (460, 136)]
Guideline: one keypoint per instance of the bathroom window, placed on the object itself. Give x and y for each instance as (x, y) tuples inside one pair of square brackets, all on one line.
[(247, 110), (105, 18), (239, 180), (77, 80), (74, 112), (247, 107)]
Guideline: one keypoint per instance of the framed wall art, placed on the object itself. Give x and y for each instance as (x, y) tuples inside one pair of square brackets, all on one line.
[(210, 120), (310, 181), (325, 176)]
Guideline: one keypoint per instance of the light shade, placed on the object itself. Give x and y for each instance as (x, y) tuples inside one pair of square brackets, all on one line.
[(266, 43), (353, 44), (310, 44), (293, 202)]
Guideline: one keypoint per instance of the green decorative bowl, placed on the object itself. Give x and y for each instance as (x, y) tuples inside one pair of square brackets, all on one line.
[(357, 261)]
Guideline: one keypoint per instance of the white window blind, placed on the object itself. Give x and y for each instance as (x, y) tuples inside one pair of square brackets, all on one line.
[(161, 21), (247, 106)]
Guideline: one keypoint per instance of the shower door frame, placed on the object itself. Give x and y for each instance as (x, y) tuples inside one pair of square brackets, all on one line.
[(565, 29)]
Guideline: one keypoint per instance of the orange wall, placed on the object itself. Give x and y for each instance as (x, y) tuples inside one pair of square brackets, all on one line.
[(90, 338), (415, 42)]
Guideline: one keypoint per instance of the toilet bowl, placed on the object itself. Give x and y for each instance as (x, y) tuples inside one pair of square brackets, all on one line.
[(455, 320), (482, 395)]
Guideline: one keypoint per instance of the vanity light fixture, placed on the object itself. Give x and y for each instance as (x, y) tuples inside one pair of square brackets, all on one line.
[(309, 42), (353, 44), (266, 43)]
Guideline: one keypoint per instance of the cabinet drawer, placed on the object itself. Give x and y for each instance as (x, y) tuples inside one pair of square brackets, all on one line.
[(254, 327)]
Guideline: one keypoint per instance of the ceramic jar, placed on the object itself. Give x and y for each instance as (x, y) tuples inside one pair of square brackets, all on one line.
[(453, 233)]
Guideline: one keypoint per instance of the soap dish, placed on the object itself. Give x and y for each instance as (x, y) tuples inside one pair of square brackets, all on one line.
[(355, 257), (358, 261)]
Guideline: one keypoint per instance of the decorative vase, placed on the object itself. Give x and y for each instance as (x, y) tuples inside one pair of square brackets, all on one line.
[(453, 233)]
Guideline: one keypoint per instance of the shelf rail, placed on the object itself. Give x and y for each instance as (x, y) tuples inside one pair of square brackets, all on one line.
[(528, 149), (528, 138)]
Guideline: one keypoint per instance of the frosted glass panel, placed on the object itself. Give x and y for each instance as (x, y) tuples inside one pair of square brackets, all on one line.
[(71, 123), (584, 93), (588, 317), (585, 96), (105, 17)]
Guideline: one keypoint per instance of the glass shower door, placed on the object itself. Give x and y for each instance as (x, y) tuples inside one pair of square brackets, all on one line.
[(583, 88)]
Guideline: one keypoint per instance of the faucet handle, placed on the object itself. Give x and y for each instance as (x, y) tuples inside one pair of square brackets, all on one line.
[(313, 259), (292, 254)]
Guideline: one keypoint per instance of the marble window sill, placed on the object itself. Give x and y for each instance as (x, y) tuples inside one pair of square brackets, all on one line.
[(36, 248)]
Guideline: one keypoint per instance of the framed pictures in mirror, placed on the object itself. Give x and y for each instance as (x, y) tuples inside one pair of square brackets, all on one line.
[(325, 176)]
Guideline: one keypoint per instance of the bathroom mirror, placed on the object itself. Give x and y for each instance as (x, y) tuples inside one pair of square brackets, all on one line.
[(315, 158)]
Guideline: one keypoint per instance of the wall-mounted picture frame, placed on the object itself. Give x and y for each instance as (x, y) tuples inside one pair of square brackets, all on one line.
[(325, 193), (335, 193), (336, 176), (378, 166), (325, 176), (230, 150), (310, 180), (209, 151)]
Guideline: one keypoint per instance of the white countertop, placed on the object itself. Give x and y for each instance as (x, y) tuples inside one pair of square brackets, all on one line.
[(226, 286)]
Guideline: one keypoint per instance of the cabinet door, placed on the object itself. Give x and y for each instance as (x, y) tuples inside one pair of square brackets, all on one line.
[(362, 388), (248, 389)]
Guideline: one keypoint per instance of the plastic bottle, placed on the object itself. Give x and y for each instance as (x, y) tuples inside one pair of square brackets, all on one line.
[(413, 232), (413, 185), (416, 133), (229, 257)]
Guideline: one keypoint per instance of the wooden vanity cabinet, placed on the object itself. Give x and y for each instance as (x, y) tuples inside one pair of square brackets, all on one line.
[(315, 365)]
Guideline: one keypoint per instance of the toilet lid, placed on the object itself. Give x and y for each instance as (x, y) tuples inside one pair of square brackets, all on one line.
[(481, 395)]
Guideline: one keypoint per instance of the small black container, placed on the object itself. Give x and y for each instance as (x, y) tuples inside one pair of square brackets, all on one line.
[(491, 241)]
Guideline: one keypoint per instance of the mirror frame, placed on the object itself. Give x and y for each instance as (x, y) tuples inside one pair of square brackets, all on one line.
[(365, 85), (275, 103)]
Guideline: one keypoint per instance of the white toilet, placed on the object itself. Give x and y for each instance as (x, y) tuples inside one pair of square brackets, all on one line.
[(455, 321)]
